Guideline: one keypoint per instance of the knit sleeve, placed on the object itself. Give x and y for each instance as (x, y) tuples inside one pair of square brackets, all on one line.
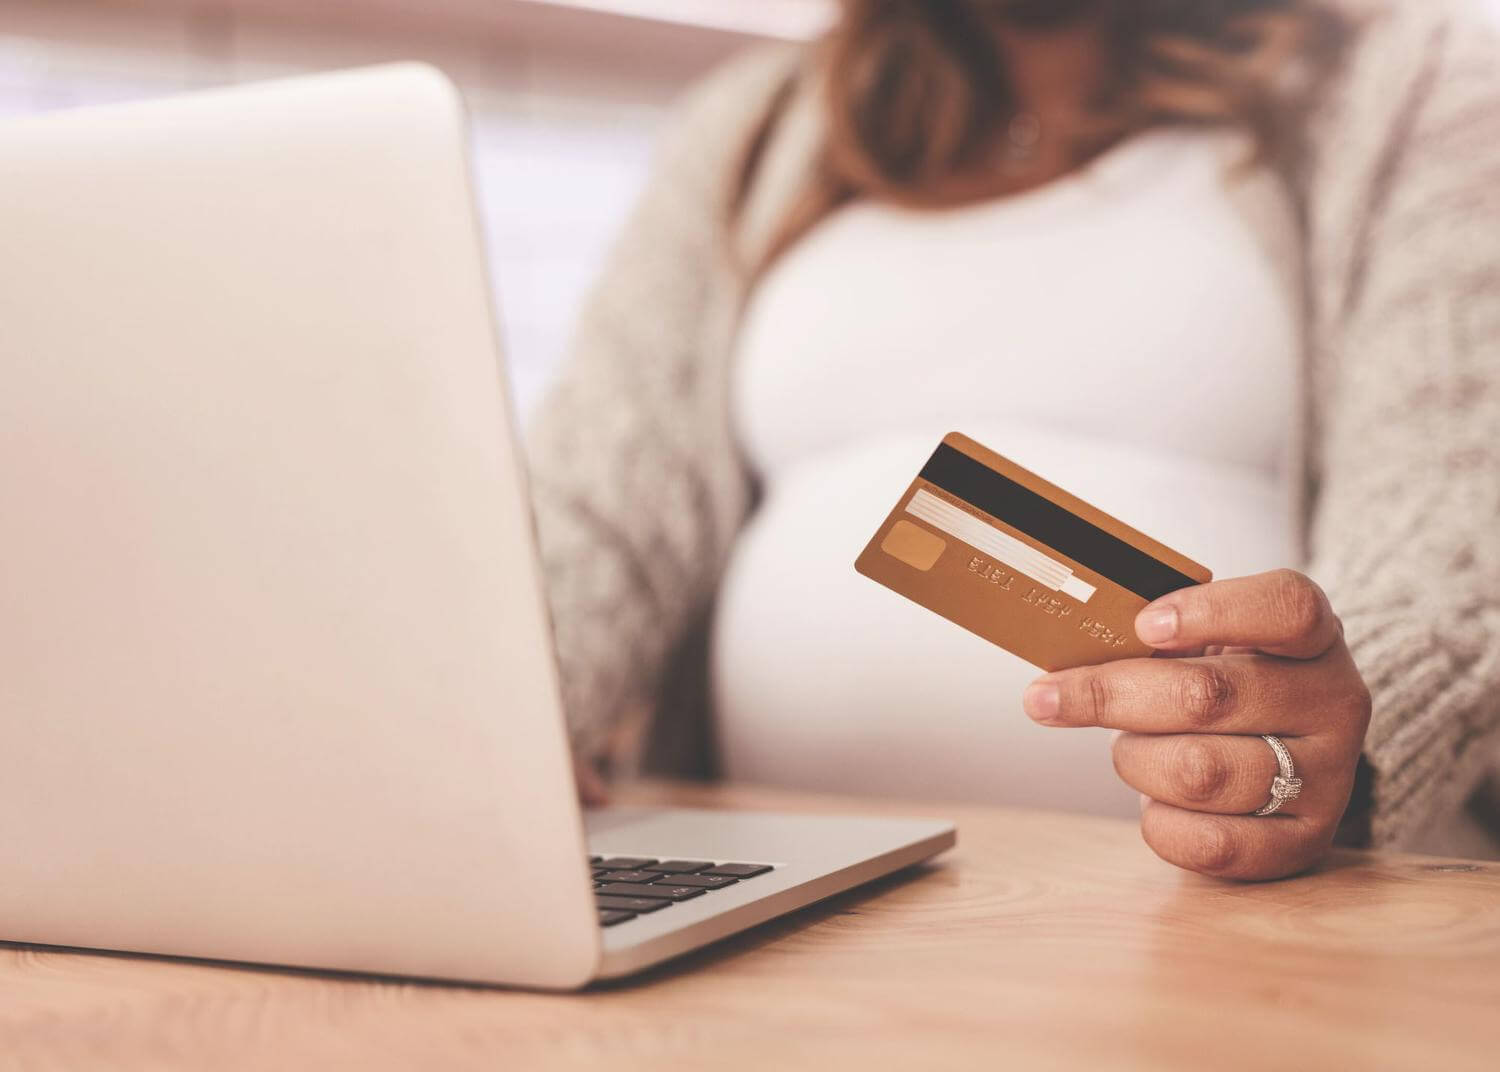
[(636, 483), (1404, 531)]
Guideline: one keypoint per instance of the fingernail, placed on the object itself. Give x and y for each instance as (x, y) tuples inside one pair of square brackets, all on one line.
[(1156, 625), (1042, 701)]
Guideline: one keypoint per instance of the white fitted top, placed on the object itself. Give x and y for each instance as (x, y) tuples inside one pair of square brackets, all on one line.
[(1130, 332)]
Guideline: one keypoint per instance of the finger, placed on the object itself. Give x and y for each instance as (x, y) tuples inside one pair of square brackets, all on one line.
[(1243, 694), (1228, 775), (1279, 613), (1235, 846)]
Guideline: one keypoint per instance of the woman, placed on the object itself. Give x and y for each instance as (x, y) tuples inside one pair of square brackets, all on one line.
[(1229, 270)]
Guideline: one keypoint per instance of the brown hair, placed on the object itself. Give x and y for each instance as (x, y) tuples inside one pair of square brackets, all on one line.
[(917, 98)]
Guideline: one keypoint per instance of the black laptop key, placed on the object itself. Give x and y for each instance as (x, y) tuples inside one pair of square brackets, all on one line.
[(595, 859), (625, 876), (625, 863), (703, 882), (679, 867), (608, 917), (667, 891), (629, 904), (739, 870)]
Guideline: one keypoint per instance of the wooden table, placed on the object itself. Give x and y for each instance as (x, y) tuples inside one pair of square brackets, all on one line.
[(1043, 941)]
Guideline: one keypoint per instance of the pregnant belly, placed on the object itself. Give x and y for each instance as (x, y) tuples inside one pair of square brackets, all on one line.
[(823, 679)]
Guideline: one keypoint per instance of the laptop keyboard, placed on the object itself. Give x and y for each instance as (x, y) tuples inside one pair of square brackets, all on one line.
[(630, 886)]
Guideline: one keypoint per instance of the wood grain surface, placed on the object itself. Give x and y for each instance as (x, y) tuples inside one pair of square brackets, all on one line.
[(1044, 941)]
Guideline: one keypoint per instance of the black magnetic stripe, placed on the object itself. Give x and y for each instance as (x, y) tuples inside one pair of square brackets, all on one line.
[(1043, 520)]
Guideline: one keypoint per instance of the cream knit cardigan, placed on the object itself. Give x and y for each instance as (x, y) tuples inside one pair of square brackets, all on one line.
[(640, 487)]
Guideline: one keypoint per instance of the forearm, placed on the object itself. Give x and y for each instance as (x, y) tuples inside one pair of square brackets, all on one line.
[(1404, 545), (638, 485)]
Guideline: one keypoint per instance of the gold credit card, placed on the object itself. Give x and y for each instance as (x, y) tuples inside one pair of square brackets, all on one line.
[(1020, 562)]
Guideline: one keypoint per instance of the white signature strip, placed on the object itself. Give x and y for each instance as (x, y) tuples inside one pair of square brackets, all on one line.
[(999, 545)]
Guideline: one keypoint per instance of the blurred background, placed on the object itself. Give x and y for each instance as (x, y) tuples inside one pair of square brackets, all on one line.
[(567, 97)]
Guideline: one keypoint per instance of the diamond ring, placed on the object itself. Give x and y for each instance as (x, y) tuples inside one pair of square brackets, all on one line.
[(1286, 785)]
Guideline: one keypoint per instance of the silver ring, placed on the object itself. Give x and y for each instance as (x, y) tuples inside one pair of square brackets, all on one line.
[(1286, 785)]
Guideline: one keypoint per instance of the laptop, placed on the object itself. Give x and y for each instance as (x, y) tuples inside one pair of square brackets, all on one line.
[(276, 677)]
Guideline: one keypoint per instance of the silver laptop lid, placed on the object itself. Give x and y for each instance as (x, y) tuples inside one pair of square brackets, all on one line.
[(275, 673)]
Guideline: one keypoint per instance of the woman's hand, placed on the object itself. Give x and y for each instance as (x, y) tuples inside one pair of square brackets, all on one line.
[(1262, 654)]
